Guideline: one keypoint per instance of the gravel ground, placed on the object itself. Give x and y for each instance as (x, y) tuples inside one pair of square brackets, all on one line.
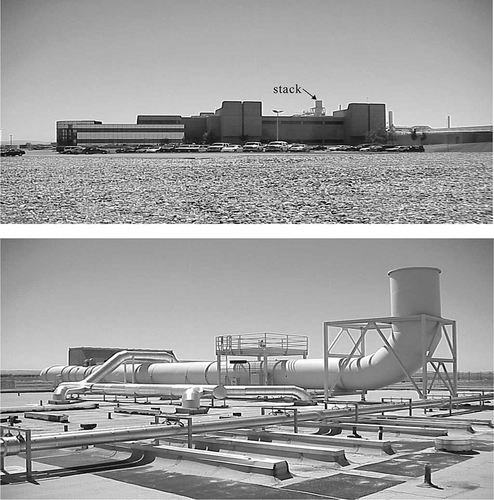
[(419, 188)]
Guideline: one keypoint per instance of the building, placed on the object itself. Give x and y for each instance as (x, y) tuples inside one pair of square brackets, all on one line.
[(95, 133), (238, 122), (450, 136), (89, 355), (235, 122)]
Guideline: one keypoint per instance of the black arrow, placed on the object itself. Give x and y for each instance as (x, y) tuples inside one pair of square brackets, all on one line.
[(311, 95)]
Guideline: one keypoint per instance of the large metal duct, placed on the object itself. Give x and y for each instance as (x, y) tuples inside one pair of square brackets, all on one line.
[(415, 291)]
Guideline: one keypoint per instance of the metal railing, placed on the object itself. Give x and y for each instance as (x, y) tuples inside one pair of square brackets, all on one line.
[(260, 343)]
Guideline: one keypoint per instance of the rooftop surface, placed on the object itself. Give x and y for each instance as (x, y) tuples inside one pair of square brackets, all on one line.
[(132, 471)]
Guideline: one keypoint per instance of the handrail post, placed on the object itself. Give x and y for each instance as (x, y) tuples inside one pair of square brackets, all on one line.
[(189, 432), (29, 462), (2, 458)]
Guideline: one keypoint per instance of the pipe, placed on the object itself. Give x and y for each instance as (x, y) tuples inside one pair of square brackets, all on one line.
[(172, 390), (180, 390), (415, 291), (121, 357), (13, 445), (267, 390), (108, 367)]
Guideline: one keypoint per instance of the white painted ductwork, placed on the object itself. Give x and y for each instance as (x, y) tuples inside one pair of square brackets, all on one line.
[(187, 391), (415, 291)]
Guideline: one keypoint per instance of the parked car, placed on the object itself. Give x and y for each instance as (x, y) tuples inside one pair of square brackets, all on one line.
[(399, 149), (280, 146), (13, 152), (256, 147), (126, 150), (373, 149), (188, 148), (95, 151), (167, 148), (406, 149), (72, 150), (217, 147), (154, 149), (299, 148), (232, 148)]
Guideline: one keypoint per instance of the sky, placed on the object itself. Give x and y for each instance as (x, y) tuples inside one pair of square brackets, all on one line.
[(111, 60), (180, 294)]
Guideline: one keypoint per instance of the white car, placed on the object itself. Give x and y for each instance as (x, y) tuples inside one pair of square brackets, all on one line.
[(297, 148), (217, 147), (187, 148), (232, 148), (253, 147), (280, 146)]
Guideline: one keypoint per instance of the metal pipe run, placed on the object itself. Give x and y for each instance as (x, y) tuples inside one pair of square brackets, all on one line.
[(233, 391), (13, 445), (180, 390)]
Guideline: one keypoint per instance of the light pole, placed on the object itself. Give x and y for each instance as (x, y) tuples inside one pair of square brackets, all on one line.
[(277, 122)]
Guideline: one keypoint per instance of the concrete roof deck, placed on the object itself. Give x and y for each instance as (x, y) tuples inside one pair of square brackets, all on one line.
[(99, 473)]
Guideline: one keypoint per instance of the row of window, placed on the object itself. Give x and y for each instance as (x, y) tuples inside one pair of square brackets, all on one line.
[(118, 141), (153, 120), (130, 135), (91, 127), (82, 123), (301, 122), (134, 130)]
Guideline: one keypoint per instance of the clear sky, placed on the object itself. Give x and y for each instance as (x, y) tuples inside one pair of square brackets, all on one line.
[(180, 293), (111, 60)]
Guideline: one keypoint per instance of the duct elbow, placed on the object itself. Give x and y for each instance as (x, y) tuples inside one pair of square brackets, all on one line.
[(61, 392), (191, 397)]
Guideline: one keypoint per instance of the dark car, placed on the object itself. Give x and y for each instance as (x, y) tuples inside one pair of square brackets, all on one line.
[(167, 148), (95, 151), (126, 150), (13, 152)]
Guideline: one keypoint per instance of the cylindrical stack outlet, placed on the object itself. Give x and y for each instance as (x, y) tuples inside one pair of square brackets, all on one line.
[(415, 290)]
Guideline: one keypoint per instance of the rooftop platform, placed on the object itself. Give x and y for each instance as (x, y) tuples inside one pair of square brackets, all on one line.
[(262, 344)]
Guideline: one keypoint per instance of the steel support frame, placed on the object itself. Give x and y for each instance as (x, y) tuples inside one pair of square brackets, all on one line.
[(448, 329), (28, 452), (178, 419), (378, 325)]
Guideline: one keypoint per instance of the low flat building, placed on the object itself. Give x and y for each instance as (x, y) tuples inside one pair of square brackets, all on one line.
[(95, 133)]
